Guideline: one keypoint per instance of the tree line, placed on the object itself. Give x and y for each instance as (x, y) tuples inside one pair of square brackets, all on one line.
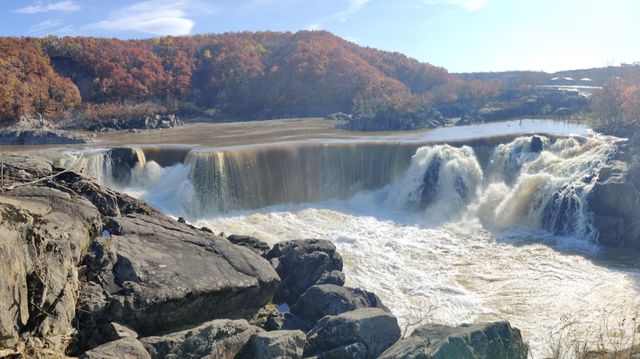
[(234, 75)]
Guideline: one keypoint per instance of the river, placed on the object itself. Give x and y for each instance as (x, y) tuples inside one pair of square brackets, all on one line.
[(450, 225)]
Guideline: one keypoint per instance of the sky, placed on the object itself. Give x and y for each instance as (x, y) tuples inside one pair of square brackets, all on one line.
[(460, 35)]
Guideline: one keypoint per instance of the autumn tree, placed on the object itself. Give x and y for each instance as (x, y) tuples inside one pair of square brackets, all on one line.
[(618, 103)]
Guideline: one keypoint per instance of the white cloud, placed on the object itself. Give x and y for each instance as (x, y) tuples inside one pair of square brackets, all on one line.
[(41, 6), (156, 17), (469, 5)]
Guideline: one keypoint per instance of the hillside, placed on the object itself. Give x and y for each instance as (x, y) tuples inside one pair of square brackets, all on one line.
[(229, 76), (94, 83)]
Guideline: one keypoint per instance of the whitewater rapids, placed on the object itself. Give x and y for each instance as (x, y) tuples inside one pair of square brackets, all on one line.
[(453, 233)]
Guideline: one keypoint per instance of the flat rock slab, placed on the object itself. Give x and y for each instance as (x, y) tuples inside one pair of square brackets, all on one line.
[(163, 275)]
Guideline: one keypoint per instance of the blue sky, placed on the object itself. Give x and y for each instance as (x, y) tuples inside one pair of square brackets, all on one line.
[(461, 35)]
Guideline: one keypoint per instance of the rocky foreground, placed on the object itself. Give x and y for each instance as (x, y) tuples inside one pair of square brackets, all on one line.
[(93, 273)]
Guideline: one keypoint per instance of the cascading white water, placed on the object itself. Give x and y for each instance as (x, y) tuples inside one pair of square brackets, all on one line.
[(505, 237)]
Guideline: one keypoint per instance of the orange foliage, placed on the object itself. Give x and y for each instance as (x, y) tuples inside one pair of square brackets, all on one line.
[(28, 84), (234, 74)]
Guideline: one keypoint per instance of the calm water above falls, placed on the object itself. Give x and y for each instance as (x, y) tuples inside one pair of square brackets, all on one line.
[(479, 231)]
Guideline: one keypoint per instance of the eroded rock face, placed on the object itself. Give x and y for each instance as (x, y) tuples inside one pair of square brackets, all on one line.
[(218, 339), (300, 264), (44, 233), (477, 341), (375, 328), (329, 299), (162, 275)]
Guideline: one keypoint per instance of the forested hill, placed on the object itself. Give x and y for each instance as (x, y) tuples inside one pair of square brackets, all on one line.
[(232, 76)]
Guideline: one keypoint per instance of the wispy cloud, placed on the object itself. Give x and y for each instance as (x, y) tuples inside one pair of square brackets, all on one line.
[(42, 27), (41, 6), (156, 17), (469, 5), (353, 7), (49, 27)]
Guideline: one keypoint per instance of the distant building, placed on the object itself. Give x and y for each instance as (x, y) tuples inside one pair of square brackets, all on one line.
[(562, 80), (585, 81)]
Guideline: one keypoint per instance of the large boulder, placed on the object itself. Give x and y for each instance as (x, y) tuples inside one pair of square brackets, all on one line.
[(219, 339), (614, 201), (126, 348), (329, 299), (300, 264), (375, 328), (44, 233), (162, 275), (280, 344), (476, 341)]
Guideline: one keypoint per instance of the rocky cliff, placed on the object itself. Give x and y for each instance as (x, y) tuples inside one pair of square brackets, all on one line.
[(615, 199)]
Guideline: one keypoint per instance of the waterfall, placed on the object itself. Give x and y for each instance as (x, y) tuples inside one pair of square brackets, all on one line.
[(258, 177), (530, 182), (441, 176), (546, 189)]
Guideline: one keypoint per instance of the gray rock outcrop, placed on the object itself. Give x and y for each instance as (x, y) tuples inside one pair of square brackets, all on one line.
[(280, 344), (44, 233), (146, 271), (300, 264), (614, 201), (259, 247), (477, 341), (218, 339), (375, 328), (328, 299), (126, 348), (162, 275)]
